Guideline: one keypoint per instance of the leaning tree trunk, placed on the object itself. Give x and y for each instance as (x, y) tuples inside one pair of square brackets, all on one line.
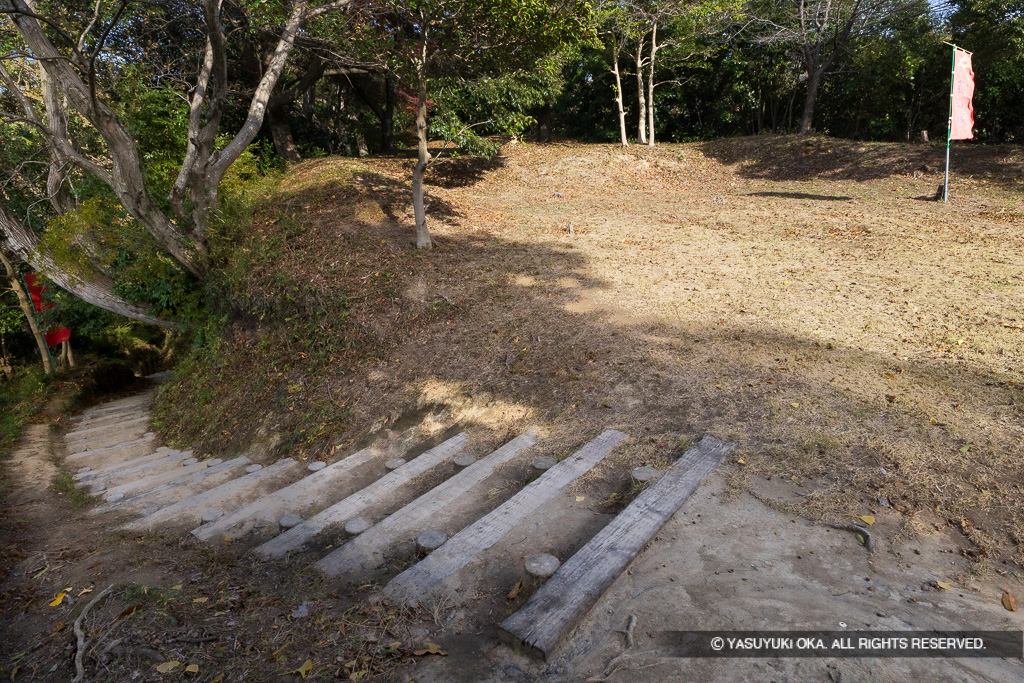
[(618, 94), (25, 301), (93, 287), (423, 159)]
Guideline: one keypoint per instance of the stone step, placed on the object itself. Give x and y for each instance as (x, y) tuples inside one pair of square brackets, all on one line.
[(552, 612), (436, 573), (228, 496), (316, 490), (109, 455), (179, 489), (386, 488), (133, 469), (154, 480), (367, 550)]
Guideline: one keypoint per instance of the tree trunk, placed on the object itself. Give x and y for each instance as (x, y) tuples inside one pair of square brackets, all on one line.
[(25, 301), (641, 98), (423, 158), (93, 287), (618, 94), (650, 85), (807, 119), (281, 131), (387, 124), (5, 358), (69, 354)]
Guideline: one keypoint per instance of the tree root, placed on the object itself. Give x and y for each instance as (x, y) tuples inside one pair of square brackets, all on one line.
[(80, 634)]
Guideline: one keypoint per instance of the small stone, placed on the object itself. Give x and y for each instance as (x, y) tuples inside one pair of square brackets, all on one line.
[(148, 434), (214, 461), (357, 525), (83, 470), (86, 477), (464, 460), (115, 497), (253, 468), (543, 463), (212, 515), (150, 509), (290, 520), (187, 454), (884, 502), (645, 474), (431, 539), (190, 461), (542, 565), (316, 466), (97, 488), (394, 463)]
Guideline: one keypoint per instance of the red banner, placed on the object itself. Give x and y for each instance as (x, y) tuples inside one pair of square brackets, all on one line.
[(61, 334), (963, 91)]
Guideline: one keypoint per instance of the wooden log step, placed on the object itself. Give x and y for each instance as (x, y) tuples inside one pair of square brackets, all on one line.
[(109, 455), (110, 419), (552, 612), (366, 551), (133, 469), (73, 439), (228, 496), (314, 491), (115, 406), (380, 491), (152, 481), (183, 487), (427, 578), (158, 454)]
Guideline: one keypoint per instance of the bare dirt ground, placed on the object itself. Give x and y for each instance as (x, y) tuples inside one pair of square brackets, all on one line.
[(861, 344)]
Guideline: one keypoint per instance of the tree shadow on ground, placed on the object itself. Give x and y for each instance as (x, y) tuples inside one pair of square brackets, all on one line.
[(802, 158), (802, 195)]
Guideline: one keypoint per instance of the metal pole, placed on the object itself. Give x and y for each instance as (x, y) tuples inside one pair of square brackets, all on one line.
[(949, 126)]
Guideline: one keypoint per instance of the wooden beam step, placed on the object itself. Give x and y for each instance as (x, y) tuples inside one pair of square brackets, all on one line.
[(380, 491), (366, 551), (430, 576), (228, 496), (554, 610)]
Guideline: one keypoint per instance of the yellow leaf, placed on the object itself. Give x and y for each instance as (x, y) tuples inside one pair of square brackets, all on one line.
[(192, 669), (514, 593), (741, 461), (580, 499), (1009, 602), (176, 588), (218, 679), (305, 668), (200, 600), (168, 667), (84, 591), (867, 519), (795, 405), (944, 586), (59, 599)]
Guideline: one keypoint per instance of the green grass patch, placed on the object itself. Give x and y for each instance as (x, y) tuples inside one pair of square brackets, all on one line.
[(64, 485)]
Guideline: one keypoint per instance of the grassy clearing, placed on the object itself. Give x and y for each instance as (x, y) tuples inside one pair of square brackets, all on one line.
[(803, 297)]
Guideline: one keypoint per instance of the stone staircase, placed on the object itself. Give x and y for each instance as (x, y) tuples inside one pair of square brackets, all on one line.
[(349, 517)]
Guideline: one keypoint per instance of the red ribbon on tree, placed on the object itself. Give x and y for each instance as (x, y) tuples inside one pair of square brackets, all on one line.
[(54, 337)]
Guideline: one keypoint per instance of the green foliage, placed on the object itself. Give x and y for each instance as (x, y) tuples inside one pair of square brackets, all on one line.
[(20, 398)]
